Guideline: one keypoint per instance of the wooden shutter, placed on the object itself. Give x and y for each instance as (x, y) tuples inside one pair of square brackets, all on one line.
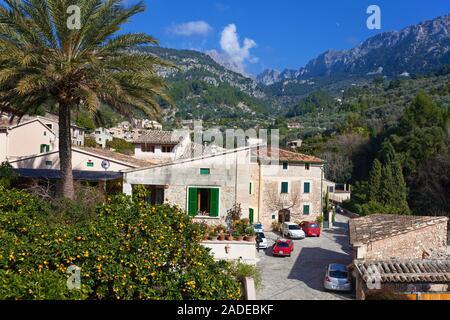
[(284, 187), (214, 202), (306, 209), (307, 187), (192, 202), (250, 215)]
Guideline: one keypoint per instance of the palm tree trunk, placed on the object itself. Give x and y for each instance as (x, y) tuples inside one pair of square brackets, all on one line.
[(65, 188)]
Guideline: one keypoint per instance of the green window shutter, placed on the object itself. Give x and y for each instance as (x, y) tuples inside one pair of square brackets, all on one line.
[(214, 202), (205, 171), (306, 209), (192, 202), (307, 187), (285, 165), (284, 187), (251, 213), (250, 188), (45, 148)]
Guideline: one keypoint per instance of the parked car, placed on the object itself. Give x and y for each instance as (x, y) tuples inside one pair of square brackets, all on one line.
[(283, 247), (311, 229), (261, 239), (258, 227), (339, 209), (292, 231), (337, 278)]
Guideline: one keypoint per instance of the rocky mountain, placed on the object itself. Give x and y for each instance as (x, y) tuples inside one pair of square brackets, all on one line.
[(420, 48), (199, 66)]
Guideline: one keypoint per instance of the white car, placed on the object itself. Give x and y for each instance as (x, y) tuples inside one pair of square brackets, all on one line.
[(292, 231), (261, 238), (258, 227)]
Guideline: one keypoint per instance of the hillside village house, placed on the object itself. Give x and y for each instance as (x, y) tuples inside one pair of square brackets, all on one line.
[(207, 186), (162, 145), (32, 135), (405, 254)]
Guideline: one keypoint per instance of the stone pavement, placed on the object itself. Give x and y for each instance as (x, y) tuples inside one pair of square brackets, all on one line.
[(300, 277)]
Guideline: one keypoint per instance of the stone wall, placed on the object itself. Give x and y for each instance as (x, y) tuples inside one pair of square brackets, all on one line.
[(411, 245), (243, 251)]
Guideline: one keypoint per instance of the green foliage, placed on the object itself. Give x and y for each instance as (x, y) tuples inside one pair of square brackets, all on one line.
[(121, 146), (7, 175), (84, 120), (242, 270), (90, 142), (129, 251), (316, 102)]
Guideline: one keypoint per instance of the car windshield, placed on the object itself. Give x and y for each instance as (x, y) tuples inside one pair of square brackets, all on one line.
[(258, 226), (294, 227), (338, 274), (313, 225), (282, 244)]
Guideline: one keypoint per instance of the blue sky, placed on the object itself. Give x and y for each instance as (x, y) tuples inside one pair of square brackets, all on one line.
[(286, 33)]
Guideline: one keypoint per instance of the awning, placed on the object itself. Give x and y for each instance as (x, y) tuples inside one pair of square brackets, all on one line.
[(77, 175)]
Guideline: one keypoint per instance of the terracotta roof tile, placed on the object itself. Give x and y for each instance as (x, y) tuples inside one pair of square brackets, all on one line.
[(286, 156), (119, 157), (159, 137)]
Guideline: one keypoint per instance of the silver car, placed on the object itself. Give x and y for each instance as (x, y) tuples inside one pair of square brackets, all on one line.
[(337, 278)]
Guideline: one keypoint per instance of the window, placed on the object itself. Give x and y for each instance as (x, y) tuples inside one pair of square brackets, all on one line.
[(49, 125), (166, 149), (45, 148), (145, 147), (307, 166), (250, 188), (284, 187), (306, 209), (273, 217), (285, 165), (48, 163), (331, 189), (45, 133), (205, 171), (203, 202), (306, 187)]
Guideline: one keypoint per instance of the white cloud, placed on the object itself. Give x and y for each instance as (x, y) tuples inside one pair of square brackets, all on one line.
[(233, 55), (199, 28)]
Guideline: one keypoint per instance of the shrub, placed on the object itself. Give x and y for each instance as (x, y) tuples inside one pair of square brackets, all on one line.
[(276, 226), (90, 142), (121, 146), (250, 231), (131, 250), (7, 175), (242, 270)]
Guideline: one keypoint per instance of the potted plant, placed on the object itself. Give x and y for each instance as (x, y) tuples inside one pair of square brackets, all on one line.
[(238, 236), (229, 236), (250, 234), (221, 237), (213, 235)]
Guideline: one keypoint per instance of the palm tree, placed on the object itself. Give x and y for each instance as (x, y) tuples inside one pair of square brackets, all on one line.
[(43, 61)]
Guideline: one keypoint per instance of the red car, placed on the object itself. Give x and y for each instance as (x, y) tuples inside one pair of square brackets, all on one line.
[(311, 229), (283, 247)]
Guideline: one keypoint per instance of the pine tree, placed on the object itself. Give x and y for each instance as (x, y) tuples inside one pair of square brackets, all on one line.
[(375, 181), (400, 193)]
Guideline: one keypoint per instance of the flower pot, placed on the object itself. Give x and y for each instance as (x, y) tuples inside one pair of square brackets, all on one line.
[(213, 238), (221, 237), (240, 238), (229, 237), (250, 238)]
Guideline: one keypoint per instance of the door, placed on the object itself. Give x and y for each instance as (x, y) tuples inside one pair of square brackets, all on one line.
[(251, 215)]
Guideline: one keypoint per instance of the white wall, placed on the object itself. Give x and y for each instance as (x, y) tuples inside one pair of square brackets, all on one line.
[(26, 139), (3, 145)]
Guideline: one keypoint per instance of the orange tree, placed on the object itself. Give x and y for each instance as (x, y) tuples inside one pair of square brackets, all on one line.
[(129, 251)]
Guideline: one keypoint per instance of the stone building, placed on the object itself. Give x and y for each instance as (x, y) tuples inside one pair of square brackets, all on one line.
[(269, 184), (392, 236), (404, 254)]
